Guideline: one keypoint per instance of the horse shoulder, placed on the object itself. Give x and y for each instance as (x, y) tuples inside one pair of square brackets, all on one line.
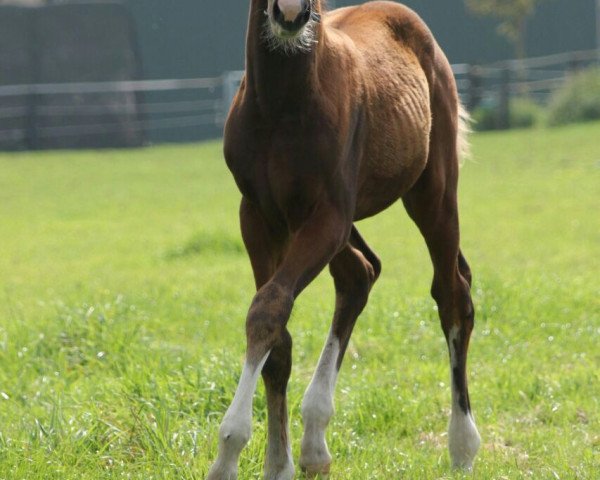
[(244, 143)]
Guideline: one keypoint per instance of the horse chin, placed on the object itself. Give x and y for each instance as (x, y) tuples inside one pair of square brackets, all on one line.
[(286, 35)]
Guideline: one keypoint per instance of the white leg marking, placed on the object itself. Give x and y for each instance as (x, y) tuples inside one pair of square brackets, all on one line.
[(463, 437), (236, 427), (317, 409)]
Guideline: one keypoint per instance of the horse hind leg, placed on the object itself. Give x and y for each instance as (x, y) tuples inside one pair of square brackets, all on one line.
[(354, 271), (432, 204)]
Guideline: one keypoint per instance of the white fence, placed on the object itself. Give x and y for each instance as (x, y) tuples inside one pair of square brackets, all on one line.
[(33, 116)]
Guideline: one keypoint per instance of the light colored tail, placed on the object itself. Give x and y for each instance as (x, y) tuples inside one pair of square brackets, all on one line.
[(463, 146)]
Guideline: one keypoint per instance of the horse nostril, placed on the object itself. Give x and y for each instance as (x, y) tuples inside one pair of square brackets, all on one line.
[(307, 13), (277, 13)]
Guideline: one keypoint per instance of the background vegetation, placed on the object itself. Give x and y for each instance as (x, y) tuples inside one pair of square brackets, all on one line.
[(124, 287), (577, 100)]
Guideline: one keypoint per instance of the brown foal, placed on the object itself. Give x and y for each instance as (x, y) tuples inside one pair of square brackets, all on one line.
[(339, 115)]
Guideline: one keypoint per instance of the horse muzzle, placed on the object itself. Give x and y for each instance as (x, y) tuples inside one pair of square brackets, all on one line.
[(292, 15)]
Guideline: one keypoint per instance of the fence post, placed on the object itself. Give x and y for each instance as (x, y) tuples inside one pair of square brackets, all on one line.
[(474, 88), (31, 127), (504, 99), (574, 64)]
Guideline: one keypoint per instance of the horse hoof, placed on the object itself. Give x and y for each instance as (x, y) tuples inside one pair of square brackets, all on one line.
[(316, 471)]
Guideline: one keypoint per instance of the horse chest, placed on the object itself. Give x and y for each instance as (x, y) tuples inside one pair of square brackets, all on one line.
[(280, 174)]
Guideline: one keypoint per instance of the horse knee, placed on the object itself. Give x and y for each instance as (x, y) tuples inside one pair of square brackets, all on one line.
[(370, 271), (355, 276), (369, 255), (373, 265), (464, 268), (268, 315), (373, 269), (455, 306)]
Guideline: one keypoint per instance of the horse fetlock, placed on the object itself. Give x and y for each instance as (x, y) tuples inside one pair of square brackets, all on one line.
[(315, 453), (279, 463), (314, 457), (223, 470), (275, 471), (463, 440)]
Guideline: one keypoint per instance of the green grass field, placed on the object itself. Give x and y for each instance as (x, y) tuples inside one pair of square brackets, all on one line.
[(124, 287)]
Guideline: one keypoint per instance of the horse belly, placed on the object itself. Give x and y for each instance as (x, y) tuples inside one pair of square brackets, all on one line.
[(396, 149)]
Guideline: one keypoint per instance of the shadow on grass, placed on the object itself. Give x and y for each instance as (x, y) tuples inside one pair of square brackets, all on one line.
[(202, 243)]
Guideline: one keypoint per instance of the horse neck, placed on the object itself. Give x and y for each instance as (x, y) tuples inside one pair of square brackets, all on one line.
[(276, 80)]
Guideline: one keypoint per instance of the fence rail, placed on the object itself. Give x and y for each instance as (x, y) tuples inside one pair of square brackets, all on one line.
[(47, 115), (32, 114), (109, 87)]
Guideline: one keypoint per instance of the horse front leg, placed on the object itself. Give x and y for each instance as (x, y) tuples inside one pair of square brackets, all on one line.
[(269, 347), (268, 351), (354, 271)]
